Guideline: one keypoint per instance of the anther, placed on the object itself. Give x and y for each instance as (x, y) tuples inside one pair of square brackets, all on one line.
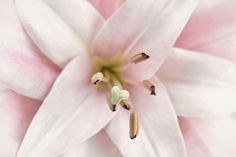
[(139, 57), (97, 78), (134, 125), (149, 85), (112, 107), (126, 104)]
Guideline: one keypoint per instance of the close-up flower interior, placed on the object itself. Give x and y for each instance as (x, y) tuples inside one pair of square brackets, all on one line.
[(117, 78)]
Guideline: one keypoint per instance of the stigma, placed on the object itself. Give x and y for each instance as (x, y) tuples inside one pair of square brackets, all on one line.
[(118, 94)]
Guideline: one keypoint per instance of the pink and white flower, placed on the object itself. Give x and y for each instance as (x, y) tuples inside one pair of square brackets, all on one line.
[(72, 34)]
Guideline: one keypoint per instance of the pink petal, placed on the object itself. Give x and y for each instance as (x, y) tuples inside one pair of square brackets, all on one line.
[(159, 131), (118, 131), (212, 29), (2, 87), (194, 142), (99, 145), (80, 15), (25, 74), (125, 25), (199, 84), (160, 36), (153, 31), (54, 37), (22, 67), (73, 111), (16, 114), (218, 133), (106, 7)]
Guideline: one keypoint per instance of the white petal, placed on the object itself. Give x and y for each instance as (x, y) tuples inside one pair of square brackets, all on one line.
[(99, 145), (80, 15), (196, 145), (52, 35), (73, 111), (199, 84), (158, 38), (22, 66), (218, 133)]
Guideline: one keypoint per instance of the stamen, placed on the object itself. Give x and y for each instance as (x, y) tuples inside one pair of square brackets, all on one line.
[(149, 85), (118, 94), (139, 57), (97, 78), (126, 104), (134, 125)]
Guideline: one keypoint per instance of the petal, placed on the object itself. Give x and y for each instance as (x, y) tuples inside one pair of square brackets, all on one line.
[(154, 31), (52, 35), (25, 74), (218, 133), (22, 67), (194, 142), (124, 26), (199, 84), (160, 36), (2, 87), (16, 114), (118, 131), (99, 145), (80, 15), (159, 131), (106, 7), (73, 111), (212, 29)]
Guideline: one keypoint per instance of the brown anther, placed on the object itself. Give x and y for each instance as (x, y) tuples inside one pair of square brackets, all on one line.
[(149, 85), (96, 82), (139, 57), (97, 78), (126, 104), (134, 125), (112, 107), (153, 90)]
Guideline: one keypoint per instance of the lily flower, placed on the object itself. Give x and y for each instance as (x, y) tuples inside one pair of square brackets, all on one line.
[(115, 67), (109, 54)]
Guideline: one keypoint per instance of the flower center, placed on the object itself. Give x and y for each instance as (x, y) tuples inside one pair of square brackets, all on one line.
[(109, 73)]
